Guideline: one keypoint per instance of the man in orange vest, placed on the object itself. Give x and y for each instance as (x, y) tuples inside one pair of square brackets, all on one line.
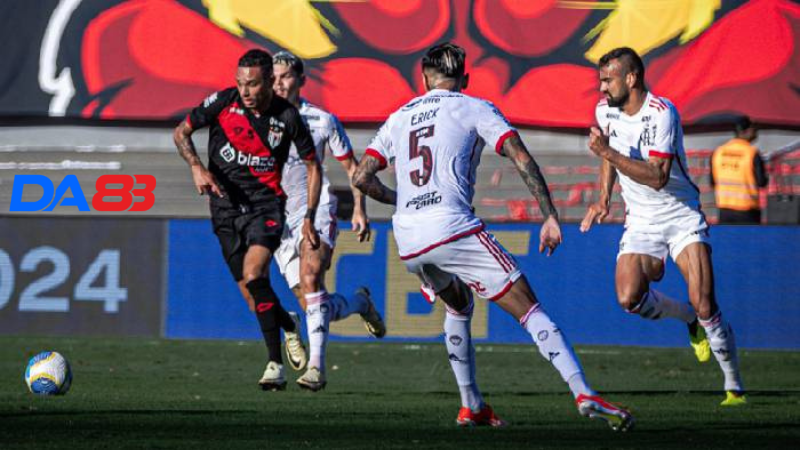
[(737, 171)]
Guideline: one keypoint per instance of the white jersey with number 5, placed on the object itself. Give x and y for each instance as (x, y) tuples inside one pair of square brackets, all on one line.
[(653, 132), (436, 142)]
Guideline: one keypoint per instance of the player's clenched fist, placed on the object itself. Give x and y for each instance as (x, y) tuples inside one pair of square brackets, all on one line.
[(598, 142)]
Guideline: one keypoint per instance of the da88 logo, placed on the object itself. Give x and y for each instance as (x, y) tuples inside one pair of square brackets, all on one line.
[(104, 186)]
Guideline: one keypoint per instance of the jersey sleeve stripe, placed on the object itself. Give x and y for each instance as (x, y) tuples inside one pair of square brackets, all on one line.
[(499, 146), (347, 155), (658, 154), (374, 153)]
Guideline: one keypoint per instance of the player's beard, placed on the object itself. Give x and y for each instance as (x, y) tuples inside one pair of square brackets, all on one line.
[(618, 101)]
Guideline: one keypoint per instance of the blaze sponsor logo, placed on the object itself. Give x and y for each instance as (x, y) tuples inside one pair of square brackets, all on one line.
[(427, 199), (258, 163)]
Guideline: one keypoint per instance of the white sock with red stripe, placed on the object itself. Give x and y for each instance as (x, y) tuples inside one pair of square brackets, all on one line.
[(657, 305), (343, 307), (458, 339), (553, 346), (318, 313), (723, 345)]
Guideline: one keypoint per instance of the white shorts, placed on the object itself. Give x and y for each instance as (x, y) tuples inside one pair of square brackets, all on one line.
[(287, 257), (478, 260), (668, 237)]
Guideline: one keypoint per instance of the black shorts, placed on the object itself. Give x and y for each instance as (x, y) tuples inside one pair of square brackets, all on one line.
[(238, 230)]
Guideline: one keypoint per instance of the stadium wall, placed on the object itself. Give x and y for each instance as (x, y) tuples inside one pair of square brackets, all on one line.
[(755, 272), (155, 277)]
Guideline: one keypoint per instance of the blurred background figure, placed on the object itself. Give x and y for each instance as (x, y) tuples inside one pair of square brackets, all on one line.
[(737, 172)]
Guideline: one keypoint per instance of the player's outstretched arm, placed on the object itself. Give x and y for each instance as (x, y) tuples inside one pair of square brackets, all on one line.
[(366, 181), (360, 220), (204, 180), (654, 172), (550, 233), (314, 189), (598, 211)]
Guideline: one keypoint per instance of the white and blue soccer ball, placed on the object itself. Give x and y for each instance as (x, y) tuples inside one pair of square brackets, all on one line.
[(48, 373)]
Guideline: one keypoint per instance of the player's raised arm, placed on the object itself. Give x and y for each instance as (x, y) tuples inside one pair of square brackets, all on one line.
[(653, 173), (550, 234), (365, 180), (360, 220), (204, 180)]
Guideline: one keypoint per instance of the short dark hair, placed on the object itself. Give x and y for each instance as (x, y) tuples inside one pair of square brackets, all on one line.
[(447, 59), (742, 124), (289, 59), (631, 61), (257, 58)]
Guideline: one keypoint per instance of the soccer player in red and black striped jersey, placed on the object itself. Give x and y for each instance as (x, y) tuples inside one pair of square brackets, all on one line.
[(250, 133)]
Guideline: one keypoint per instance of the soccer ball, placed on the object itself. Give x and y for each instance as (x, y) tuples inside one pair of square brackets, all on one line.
[(48, 373)]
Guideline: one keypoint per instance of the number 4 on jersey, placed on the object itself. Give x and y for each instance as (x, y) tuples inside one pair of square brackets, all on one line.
[(420, 177)]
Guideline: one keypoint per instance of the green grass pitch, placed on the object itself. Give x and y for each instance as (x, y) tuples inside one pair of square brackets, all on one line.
[(145, 393)]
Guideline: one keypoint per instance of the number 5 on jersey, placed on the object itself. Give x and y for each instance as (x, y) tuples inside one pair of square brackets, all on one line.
[(420, 177)]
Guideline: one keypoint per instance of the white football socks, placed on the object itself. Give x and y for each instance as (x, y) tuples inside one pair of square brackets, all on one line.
[(553, 346), (458, 339), (657, 305), (318, 314), (723, 345)]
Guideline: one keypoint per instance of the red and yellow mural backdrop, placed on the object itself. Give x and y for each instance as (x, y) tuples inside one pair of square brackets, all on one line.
[(155, 59)]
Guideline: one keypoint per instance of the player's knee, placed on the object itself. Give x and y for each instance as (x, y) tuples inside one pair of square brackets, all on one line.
[(252, 275), (629, 297), (704, 310)]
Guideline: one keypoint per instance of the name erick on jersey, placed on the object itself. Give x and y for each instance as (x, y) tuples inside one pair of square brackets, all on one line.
[(436, 142), (653, 132), (325, 130), (247, 153)]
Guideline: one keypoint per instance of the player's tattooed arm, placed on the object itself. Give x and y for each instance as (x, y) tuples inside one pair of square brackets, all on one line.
[(366, 181), (359, 220), (653, 172), (183, 141), (204, 181), (514, 148)]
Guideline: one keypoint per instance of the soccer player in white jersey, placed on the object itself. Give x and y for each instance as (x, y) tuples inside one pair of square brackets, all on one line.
[(641, 143), (436, 142), (302, 264)]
